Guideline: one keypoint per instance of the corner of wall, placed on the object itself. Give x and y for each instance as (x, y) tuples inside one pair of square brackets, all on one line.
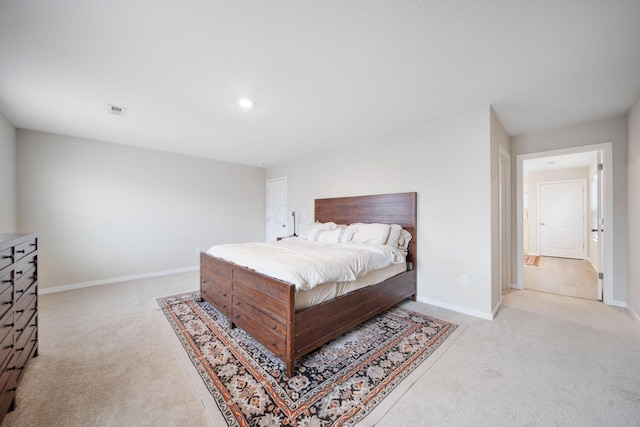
[(8, 187), (633, 209)]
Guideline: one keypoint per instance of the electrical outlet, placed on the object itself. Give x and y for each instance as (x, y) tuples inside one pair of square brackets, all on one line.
[(464, 280)]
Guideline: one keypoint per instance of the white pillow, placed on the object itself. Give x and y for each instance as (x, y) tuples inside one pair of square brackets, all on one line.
[(403, 241), (320, 225), (372, 234), (339, 235), (394, 235)]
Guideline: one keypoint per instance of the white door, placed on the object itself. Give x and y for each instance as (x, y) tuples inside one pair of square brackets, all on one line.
[(276, 209), (562, 219)]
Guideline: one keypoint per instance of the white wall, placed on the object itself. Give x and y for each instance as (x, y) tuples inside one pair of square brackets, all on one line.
[(105, 211), (613, 130), (447, 162), (633, 244), (538, 177), (8, 197)]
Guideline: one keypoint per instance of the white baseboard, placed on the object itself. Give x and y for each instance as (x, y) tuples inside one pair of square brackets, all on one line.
[(44, 291), (619, 304), (463, 310), (633, 314)]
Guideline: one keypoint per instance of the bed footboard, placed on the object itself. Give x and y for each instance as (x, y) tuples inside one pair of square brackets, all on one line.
[(263, 307)]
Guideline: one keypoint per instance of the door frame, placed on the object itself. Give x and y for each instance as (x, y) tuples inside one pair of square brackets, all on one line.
[(583, 231), (607, 236), (286, 197), (504, 212)]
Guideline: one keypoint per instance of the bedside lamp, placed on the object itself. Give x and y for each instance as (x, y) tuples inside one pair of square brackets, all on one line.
[(293, 214)]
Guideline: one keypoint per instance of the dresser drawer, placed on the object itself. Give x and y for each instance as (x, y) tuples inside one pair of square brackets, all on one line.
[(8, 383), (6, 326), (6, 258), (25, 248), (25, 353), (25, 285), (6, 350), (25, 321), (26, 264), (6, 294), (24, 309)]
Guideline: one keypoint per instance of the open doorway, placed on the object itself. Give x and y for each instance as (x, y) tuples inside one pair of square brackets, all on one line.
[(559, 256), (561, 202)]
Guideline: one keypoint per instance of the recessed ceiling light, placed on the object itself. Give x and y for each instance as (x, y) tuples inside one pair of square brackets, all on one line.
[(245, 103)]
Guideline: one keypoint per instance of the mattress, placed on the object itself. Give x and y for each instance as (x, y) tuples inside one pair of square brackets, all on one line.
[(328, 291)]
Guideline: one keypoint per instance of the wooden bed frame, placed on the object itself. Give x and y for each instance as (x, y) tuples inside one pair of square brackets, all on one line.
[(265, 307)]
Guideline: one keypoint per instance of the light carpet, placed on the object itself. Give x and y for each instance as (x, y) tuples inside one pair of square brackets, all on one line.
[(358, 375)]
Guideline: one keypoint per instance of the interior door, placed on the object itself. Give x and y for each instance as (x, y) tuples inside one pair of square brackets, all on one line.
[(562, 219), (276, 209)]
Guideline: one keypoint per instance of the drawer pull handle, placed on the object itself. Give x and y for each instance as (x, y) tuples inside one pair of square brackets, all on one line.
[(6, 256), (8, 303), (224, 294), (21, 251), (20, 329), (237, 302), (224, 306), (19, 272), (20, 349), (20, 291), (237, 316), (9, 346), (12, 389), (10, 325), (7, 281), (273, 343), (273, 327), (20, 311), (13, 368)]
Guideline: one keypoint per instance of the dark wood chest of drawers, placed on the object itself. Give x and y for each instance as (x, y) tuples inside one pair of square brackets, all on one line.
[(18, 312)]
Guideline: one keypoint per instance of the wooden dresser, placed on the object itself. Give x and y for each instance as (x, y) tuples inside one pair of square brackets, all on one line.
[(18, 312)]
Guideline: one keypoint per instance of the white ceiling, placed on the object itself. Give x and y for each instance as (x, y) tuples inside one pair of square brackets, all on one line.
[(321, 73), (564, 161)]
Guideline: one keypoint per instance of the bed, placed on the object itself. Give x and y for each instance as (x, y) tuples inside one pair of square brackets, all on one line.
[(265, 307)]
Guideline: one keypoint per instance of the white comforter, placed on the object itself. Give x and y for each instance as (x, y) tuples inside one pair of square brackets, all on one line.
[(307, 264)]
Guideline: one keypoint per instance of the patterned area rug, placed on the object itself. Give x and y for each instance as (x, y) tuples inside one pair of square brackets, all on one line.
[(338, 384)]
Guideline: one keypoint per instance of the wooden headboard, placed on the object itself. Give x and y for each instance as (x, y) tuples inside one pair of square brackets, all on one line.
[(395, 208)]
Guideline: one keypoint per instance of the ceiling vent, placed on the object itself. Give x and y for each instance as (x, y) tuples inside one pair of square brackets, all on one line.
[(117, 111)]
